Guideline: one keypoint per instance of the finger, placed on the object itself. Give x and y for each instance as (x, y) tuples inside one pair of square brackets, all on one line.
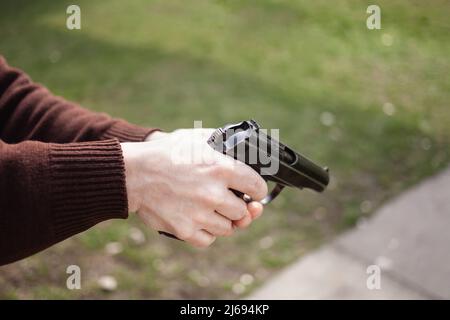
[(232, 207), (255, 209), (244, 179), (244, 222), (216, 224), (201, 239)]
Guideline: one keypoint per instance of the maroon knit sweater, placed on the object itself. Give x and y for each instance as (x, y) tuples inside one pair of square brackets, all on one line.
[(61, 166)]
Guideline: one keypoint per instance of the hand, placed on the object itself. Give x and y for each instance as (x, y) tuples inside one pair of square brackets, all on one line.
[(255, 209), (178, 184)]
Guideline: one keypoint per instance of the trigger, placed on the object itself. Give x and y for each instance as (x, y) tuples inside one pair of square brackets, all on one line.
[(273, 194)]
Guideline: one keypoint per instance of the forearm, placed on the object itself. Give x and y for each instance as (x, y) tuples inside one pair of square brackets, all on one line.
[(28, 111), (49, 192)]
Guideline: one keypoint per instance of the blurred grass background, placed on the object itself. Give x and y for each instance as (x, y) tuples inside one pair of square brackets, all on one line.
[(373, 105)]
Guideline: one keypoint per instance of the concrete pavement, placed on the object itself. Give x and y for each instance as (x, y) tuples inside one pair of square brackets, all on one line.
[(408, 239)]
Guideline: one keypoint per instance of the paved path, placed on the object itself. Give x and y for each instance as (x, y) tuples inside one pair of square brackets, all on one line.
[(408, 238)]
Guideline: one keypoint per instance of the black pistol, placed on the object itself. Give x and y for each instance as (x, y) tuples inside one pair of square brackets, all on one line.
[(274, 161)]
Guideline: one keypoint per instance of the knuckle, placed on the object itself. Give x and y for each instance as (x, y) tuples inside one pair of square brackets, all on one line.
[(240, 214), (184, 232), (210, 241), (240, 211), (260, 187), (201, 244), (229, 230), (244, 224), (232, 207), (218, 171), (204, 243), (220, 198), (222, 169), (198, 217), (211, 199), (224, 228), (236, 213)]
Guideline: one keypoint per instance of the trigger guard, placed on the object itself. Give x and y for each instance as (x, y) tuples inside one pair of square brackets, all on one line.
[(273, 194)]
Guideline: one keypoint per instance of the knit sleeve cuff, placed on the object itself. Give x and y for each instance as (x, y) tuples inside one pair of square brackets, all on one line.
[(87, 185), (127, 132)]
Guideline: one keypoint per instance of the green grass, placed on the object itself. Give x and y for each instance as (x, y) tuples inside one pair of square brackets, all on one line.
[(285, 63)]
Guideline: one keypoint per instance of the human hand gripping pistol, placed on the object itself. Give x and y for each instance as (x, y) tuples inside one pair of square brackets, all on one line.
[(247, 142)]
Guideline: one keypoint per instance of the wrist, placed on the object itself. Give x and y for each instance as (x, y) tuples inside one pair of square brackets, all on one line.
[(131, 165), (141, 162)]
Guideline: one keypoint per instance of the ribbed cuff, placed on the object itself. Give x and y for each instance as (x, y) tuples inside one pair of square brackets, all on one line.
[(127, 132), (87, 185)]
